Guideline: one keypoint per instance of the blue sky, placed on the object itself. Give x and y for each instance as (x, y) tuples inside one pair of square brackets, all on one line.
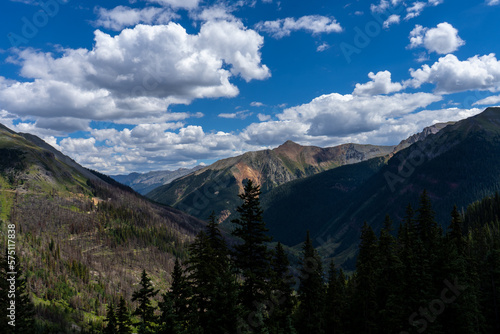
[(141, 85)]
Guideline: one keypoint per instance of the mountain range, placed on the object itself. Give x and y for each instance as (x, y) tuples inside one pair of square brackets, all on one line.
[(215, 187), (143, 183)]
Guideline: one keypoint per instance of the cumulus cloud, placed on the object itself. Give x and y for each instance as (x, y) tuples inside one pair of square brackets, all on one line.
[(443, 39), (450, 75), (154, 146), (242, 114), (490, 100), (381, 84), (185, 4), (413, 8), (341, 115), (393, 19), (335, 119), (314, 24), (263, 117), (136, 74), (216, 12), (322, 47), (325, 121), (122, 16), (492, 2)]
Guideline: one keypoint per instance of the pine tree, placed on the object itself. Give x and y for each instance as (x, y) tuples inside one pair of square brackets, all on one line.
[(282, 292), (251, 256), (364, 299), (111, 322), (223, 309), (431, 255), (309, 318), (167, 322), (334, 300), (462, 315), (144, 310), (180, 293), (123, 321), (388, 281)]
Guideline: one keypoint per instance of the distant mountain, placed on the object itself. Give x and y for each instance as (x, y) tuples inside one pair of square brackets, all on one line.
[(216, 187), (457, 165), (81, 236), (143, 183), (430, 130)]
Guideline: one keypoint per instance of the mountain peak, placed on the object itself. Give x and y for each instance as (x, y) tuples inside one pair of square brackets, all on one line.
[(289, 143)]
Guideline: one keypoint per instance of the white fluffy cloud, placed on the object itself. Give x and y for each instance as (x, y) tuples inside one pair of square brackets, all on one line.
[(335, 119), (450, 75), (185, 4), (314, 24), (490, 100), (242, 114), (492, 2), (136, 74), (443, 39), (122, 16), (325, 121), (381, 84), (393, 19), (413, 8)]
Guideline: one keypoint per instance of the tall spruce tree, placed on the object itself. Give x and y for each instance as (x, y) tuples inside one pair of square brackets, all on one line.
[(364, 299), (462, 314), (311, 292), (111, 322), (123, 321), (251, 256), (388, 281), (223, 310), (282, 293), (181, 293), (145, 310), (167, 321), (334, 300), (213, 283)]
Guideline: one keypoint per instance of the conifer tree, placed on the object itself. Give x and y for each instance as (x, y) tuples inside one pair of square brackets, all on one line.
[(282, 292), (111, 322), (462, 316), (334, 300), (180, 293), (310, 313), (145, 310), (223, 309), (123, 321), (167, 322), (388, 281), (251, 256), (364, 299)]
